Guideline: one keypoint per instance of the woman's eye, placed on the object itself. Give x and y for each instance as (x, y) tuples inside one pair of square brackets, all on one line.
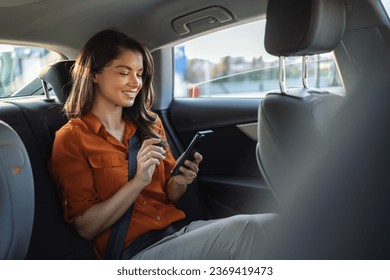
[(124, 73)]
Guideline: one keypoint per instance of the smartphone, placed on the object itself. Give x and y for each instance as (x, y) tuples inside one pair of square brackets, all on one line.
[(191, 149)]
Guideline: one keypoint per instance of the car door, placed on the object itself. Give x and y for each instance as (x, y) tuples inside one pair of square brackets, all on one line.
[(229, 179)]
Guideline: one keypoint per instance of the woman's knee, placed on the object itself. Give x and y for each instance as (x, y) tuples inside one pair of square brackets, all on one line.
[(254, 222)]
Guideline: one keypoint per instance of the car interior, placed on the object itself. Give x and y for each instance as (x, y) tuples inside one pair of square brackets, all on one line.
[(282, 141), (317, 159)]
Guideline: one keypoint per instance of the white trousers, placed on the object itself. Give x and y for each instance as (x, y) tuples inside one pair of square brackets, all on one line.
[(238, 237)]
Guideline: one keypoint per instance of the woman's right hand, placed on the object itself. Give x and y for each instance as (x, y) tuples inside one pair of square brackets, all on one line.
[(148, 157)]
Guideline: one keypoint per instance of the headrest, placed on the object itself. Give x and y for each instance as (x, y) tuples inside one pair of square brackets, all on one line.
[(58, 75), (303, 27)]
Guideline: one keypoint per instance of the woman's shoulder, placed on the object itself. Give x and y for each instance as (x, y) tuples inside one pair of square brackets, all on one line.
[(71, 129), (68, 138)]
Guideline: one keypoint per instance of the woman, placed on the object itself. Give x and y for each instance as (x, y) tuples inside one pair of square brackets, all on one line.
[(110, 100)]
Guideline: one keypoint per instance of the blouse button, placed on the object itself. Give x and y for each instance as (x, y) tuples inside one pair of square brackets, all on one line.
[(158, 218), (144, 203)]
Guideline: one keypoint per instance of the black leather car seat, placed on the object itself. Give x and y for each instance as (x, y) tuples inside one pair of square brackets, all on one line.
[(339, 209), (57, 76), (293, 121), (16, 195)]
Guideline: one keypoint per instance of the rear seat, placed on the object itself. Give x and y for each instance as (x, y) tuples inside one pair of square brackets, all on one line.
[(36, 121)]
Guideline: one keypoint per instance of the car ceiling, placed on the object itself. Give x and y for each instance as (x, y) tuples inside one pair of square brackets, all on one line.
[(65, 25)]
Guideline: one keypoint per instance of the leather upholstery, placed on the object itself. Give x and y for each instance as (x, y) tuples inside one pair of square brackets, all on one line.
[(339, 209), (303, 27), (35, 121), (16, 195), (291, 128)]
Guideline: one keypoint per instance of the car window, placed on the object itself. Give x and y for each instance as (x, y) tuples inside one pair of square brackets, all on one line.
[(19, 65), (386, 5), (234, 63)]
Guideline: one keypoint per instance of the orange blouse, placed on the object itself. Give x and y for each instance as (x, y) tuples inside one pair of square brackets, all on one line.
[(89, 165)]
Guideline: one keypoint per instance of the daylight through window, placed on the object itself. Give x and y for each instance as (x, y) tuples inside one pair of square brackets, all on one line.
[(19, 65), (234, 63)]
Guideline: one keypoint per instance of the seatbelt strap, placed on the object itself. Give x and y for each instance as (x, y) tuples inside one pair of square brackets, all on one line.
[(119, 229)]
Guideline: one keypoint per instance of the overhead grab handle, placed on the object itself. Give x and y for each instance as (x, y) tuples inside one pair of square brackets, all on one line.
[(214, 14)]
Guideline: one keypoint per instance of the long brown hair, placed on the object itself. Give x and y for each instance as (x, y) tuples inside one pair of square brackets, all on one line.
[(99, 52)]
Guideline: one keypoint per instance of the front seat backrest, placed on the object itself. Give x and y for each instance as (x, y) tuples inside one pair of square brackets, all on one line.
[(296, 28), (16, 195)]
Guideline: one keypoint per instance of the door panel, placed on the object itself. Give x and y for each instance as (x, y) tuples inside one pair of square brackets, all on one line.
[(229, 178)]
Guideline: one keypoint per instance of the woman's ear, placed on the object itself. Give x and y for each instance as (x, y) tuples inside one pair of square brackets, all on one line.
[(94, 78)]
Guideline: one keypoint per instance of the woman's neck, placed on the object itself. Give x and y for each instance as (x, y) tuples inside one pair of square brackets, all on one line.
[(111, 118)]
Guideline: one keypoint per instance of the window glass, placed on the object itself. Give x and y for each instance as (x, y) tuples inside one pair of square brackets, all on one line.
[(386, 4), (234, 63), (19, 65)]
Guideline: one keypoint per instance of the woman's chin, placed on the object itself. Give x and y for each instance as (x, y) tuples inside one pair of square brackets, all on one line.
[(129, 104)]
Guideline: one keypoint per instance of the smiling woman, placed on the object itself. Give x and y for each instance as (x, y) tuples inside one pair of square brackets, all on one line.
[(123, 75), (223, 62), (91, 164)]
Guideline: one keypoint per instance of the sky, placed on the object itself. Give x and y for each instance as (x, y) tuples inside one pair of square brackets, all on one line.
[(6, 48)]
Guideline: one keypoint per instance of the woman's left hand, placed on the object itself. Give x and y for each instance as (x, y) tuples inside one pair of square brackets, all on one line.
[(189, 170)]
